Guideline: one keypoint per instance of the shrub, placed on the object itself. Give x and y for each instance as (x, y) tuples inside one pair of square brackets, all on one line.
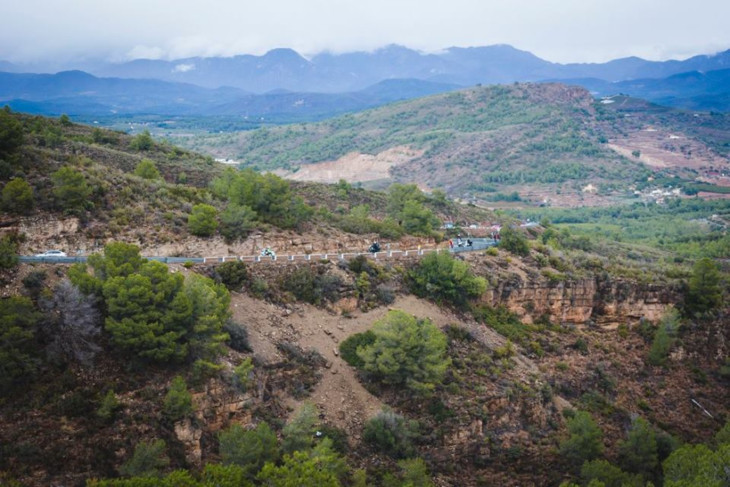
[(178, 402), (722, 437), (697, 465), (320, 467), (609, 475), (307, 285), (406, 351), (224, 476), (664, 338), (18, 319), (513, 241), (268, 195), (444, 279), (705, 290), (73, 325), (585, 441), (17, 196), (155, 314), (34, 281), (250, 449), (70, 188), (243, 374), (392, 434), (232, 274), (146, 169), (8, 252), (299, 432), (638, 454), (237, 336), (147, 461), (108, 407), (202, 221), (349, 346), (237, 221), (142, 142), (11, 133), (204, 370)]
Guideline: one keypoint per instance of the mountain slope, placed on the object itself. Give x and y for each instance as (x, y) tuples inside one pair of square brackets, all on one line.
[(540, 140)]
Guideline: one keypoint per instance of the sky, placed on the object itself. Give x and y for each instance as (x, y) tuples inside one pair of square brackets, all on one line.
[(556, 30)]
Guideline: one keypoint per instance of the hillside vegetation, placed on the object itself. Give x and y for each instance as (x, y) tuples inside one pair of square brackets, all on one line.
[(537, 142), (562, 356)]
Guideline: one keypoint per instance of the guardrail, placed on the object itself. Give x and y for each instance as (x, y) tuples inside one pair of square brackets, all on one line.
[(477, 244)]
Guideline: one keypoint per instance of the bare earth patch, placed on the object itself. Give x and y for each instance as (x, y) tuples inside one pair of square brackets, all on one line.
[(661, 149), (354, 167), (339, 395)]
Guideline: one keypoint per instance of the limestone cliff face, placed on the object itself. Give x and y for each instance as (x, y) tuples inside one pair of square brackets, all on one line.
[(606, 302)]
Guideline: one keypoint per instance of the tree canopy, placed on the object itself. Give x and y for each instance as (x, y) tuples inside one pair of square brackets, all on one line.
[(406, 351)]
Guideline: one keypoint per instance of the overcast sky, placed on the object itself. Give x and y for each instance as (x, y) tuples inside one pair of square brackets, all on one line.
[(556, 30)]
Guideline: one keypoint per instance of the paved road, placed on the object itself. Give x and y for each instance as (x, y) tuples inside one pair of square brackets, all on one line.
[(477, 244)]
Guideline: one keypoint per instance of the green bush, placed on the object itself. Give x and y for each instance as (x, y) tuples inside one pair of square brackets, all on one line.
[(392, 434), (248, 449), (215, 475), (406, 351), (146, 169), (178, 402), (243, 373), (202, 221), (147, 461), (267, 195), (311, 286), (585, 440), (705, 289), (237, 221), (11, 133), (638, 453), (664, 338), (17, 196), (8, 252), (233, 274), (70, 189), (142, 142), (697, 465), (108, 407), (609, 475), (34, 281), (349, 346), (152, 313), (444, 279), (299, 433), (319, 467), (18, 321), (513, 241)]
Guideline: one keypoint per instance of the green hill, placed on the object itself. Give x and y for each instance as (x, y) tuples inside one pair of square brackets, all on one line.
[(540, 141)]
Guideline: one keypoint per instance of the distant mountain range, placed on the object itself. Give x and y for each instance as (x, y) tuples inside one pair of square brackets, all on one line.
[(287, 86), (79, 93)]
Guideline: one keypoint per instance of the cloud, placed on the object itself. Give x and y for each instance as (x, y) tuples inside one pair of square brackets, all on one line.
[(183, 68), (557, 30), (145, 52)]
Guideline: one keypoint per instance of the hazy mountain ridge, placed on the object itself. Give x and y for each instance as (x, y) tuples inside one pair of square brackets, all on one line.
[(286, 69), (293, 88), (79, 93)]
